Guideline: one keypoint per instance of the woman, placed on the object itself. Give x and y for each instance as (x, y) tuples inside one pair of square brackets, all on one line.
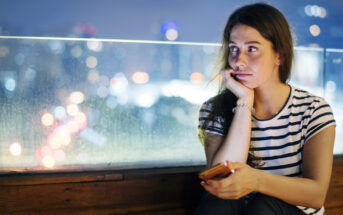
[(277, 138)]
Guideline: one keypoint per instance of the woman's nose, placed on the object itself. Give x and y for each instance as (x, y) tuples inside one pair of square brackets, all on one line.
[(240, 61)]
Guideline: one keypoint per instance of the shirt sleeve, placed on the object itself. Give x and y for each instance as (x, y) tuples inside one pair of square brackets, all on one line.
[(215, 126), (321, 117)]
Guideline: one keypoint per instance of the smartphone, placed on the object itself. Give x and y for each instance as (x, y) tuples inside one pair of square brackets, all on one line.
[(216, 172)]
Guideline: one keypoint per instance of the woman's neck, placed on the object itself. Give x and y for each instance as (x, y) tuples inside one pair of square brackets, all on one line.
[(268, 101)]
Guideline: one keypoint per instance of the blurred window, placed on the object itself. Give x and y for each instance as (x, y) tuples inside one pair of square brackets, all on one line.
[(121, 104)]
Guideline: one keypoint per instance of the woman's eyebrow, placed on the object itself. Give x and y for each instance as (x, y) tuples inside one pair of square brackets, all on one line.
[(249, 42), (252, 42)]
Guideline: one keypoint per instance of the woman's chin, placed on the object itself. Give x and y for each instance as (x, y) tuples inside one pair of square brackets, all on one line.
[(248, 84)]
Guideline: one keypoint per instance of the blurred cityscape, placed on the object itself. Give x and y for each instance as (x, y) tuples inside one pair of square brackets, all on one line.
[(90, 102), (83, 102)]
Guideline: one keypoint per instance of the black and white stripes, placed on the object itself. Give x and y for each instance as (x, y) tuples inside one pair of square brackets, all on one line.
[(279, 141)]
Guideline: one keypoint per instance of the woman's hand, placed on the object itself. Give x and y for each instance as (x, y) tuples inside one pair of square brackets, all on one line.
[(244, 94), (243, 181)]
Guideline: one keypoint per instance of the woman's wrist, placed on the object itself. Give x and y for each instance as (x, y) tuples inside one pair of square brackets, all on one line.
[(243, 107), (247, 101), (258, 174)]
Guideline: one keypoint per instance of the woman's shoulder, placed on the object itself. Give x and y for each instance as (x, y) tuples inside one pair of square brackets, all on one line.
[(304, 96)]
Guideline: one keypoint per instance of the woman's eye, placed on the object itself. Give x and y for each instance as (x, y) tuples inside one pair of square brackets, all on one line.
[(233, 50), (252, 49)]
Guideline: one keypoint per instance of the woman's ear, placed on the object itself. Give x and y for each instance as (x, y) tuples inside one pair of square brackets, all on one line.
[(278, 59)]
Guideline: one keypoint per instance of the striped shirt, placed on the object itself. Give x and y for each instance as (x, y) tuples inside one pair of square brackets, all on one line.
[(279, 141)]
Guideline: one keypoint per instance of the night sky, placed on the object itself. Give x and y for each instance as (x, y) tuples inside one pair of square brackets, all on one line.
[(199, 20)]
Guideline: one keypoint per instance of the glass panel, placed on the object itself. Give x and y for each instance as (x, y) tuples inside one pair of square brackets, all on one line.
[(95, 102), (307, 72), (334, 91), (122, 104)]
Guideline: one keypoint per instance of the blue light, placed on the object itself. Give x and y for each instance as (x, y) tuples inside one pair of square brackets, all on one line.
[(10, 84), (172, 24)]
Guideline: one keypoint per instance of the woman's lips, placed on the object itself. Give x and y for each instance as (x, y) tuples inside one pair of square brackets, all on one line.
[(242, 74)]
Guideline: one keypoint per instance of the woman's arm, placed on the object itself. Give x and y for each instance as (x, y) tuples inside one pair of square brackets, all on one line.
[(236, 145), (212, 144), (309, 191)]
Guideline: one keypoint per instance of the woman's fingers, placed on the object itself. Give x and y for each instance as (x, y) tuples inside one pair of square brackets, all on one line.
[(233, 85)]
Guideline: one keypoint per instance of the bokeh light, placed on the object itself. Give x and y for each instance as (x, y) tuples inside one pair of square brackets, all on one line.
[(44, 151), (59, 155), (196, 77), (76, 97), (91, 62), (4, 51), (72, 109), (81, 119), (315, 10), (119, 84), (19, 59), (172, 34), (47, 119), (140, 77), (15, 149), (104, 80), (145, 100), (30, 74), (59, 137), (172, 24), (10, 84), (102, 92), (56, 46), (73, 126), (93, 76), (76, 51), (315, 30), (337, 60), (48, 161), (94, 45)]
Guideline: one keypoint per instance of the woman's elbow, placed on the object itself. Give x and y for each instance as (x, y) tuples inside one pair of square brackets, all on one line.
[(319, 201)]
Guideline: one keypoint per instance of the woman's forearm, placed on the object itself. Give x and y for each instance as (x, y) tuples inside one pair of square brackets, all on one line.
[(236, 145), (296, 191)]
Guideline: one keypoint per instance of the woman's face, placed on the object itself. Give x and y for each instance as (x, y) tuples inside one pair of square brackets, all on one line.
[(252, 57)]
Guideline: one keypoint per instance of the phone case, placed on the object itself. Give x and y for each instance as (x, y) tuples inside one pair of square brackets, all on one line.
[(216, 172)]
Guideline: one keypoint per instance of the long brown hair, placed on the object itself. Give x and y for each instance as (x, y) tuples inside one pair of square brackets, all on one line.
[(273, 26)]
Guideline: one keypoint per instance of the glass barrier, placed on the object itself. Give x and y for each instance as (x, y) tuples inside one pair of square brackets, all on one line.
[(333, 81), (83, 103)]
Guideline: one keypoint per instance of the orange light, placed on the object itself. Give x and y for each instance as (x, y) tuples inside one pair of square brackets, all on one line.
[(47, 119), (140, 77), (196, 77)]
